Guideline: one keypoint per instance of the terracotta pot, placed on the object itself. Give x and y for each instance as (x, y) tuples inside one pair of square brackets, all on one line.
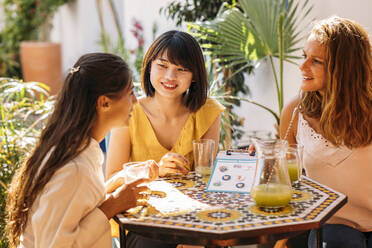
[(42, 62)]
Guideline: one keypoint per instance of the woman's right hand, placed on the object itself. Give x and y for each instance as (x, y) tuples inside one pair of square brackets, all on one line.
[(147, 169), (131, 172), (173, 163), (125, 197)]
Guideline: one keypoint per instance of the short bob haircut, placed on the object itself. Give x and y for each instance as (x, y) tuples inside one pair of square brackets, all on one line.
[(181, 49)]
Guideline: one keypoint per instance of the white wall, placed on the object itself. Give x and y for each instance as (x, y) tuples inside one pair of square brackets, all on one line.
[(147, 12), (76, 25)]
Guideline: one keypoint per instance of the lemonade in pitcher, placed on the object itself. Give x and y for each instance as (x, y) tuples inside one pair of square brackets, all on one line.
[(271, 186), (272, 195)]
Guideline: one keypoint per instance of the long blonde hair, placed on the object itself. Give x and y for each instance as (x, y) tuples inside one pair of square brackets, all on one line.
[(345, 109)]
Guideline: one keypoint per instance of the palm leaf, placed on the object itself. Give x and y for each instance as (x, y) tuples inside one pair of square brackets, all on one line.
[(241, 36), (251, 32)]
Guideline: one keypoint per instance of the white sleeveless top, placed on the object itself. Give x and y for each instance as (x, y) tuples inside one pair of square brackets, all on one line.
[(344, 170)]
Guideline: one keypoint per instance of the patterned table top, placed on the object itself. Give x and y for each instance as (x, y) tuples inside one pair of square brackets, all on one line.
[(180, 205)]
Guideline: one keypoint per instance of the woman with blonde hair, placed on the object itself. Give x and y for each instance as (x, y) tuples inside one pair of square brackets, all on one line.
[(332, 118)]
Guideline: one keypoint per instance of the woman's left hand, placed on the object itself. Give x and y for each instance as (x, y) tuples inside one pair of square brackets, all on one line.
[(172, 163)]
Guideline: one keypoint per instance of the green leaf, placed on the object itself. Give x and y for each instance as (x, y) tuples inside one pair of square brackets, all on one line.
[(241, 36)]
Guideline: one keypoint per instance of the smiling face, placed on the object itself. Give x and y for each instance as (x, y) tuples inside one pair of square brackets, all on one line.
[(313, 67), (169, 80)]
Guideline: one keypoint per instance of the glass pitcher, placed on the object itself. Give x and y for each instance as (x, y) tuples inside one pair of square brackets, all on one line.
[(271, 186)]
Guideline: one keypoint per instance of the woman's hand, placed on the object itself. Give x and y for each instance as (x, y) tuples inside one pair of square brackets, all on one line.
[(131, 172), (125, 197), (148, 169), (154, 169), (172, 163)]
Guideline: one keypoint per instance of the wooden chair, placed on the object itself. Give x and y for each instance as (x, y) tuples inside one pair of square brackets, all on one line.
[(281, 243)]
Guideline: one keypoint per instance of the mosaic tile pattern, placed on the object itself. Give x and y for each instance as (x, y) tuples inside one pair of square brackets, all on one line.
[(229, 212)]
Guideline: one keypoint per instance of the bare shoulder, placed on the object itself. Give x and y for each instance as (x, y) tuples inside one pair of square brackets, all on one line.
[(285, 120), (289, 107)]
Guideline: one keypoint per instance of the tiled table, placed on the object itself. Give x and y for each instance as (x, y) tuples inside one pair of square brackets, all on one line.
[(181, 211)]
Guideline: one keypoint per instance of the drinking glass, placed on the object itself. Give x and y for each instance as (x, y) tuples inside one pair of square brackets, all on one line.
[(294, 157), (203, 156)]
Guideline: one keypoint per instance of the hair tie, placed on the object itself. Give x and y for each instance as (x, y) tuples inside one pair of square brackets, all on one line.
[(74, 69)]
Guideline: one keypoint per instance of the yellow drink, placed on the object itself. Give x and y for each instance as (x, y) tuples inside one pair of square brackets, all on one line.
[(293, 173), (272, 195), (203, 170)]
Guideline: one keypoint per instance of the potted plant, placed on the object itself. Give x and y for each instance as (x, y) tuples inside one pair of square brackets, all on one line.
[(25, 42)]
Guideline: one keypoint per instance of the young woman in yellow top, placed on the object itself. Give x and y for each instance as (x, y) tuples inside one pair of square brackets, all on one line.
[(174, 112)]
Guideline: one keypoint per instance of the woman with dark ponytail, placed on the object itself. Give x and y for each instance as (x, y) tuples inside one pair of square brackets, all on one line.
[(58, 198)]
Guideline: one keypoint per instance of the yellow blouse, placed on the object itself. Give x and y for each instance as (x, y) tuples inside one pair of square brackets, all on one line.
[(145, 145)]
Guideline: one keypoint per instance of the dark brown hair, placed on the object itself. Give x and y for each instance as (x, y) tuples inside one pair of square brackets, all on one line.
[(67, 132), (182, 49), (344, 111)]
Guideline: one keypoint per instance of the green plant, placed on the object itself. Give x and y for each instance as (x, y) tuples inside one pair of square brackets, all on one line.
[(192, 11), (216, 90), (242, 35), (24, 20), (23, 111)]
